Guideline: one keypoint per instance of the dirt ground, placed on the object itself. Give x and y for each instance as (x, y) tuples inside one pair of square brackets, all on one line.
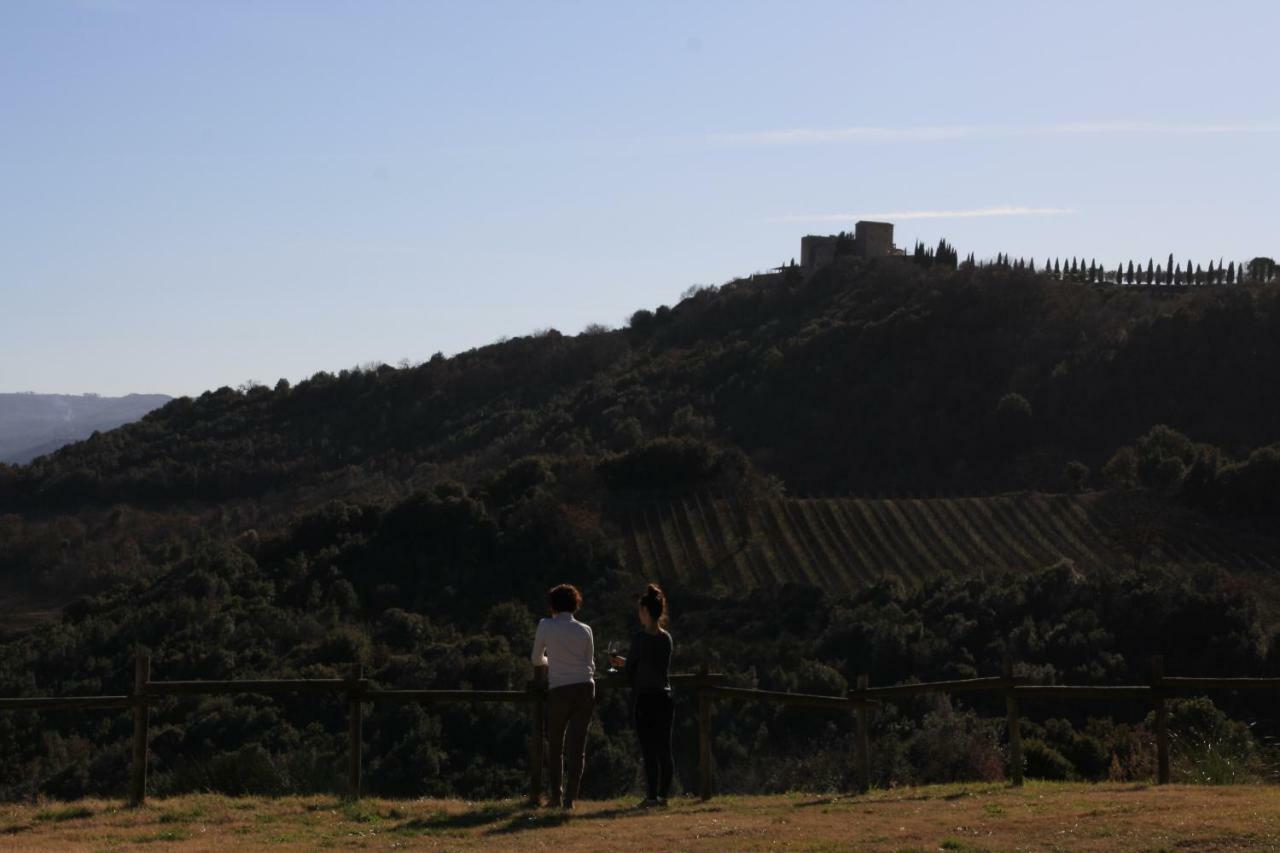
[(1041, 816)]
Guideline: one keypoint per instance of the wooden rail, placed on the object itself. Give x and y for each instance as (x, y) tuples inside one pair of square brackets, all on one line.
[(706, 686)]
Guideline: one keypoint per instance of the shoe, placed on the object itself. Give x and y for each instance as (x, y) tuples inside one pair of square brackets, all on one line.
[(648, 803), (662, 802), (567, 805)]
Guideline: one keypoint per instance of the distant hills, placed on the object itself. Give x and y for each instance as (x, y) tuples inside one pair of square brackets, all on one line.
[(32, 425), (879, 379)]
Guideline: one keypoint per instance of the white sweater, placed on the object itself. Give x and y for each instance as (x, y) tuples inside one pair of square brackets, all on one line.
[(565, 646)]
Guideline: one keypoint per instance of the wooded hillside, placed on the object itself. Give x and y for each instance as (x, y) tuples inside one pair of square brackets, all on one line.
[(883, 468)]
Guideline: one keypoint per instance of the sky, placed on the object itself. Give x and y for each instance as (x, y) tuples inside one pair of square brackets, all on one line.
[(197, 194)]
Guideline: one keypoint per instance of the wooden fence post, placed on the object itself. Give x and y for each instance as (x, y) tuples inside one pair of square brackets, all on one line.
[(141, 722), (538, 725), (704, 735), (863, 755), (355, 717), (1013, 724), (1162, 720)]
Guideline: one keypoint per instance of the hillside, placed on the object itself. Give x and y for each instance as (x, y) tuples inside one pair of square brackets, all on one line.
[(763, 449), (33, 425), (845, 544), (866, 379)]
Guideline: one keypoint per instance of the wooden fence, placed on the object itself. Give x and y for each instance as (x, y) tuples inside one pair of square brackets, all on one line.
[(706, 686)]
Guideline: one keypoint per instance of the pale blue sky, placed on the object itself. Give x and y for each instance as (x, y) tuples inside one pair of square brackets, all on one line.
[(196, 194)]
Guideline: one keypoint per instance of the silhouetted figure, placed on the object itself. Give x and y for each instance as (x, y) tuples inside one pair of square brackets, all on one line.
[(648, 666), (565, 646)]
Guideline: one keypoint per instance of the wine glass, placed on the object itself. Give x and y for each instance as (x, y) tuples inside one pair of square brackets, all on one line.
[(614, 648)]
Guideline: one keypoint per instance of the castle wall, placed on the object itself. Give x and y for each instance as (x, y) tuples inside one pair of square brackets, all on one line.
[(873, 239), (817, 251)]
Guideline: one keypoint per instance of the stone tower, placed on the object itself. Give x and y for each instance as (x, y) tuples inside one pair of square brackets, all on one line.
[(873, 239)]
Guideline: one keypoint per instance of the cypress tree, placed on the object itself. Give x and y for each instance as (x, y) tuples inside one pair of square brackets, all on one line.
[(1128, 278), (1151, 271), (1211, 277), (1231, 273), (1169, 268), (1199, 277), (1177, 276), (1033, 265), (1057, 270)]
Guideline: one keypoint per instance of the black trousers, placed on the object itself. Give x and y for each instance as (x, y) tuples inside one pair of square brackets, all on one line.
[(569, 711), (654, 715)]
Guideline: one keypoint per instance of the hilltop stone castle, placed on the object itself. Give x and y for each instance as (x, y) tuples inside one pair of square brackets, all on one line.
[(870, 240)]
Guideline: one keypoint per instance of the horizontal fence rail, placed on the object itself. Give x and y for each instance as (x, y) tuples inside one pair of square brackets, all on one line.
[(66, 703), (706, 686)]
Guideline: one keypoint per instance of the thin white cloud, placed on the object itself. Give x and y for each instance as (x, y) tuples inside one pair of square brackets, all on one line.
[(943, 133), (805, 136), (895, 215)]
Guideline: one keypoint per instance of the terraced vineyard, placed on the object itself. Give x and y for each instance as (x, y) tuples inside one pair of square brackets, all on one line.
[(841, 544)]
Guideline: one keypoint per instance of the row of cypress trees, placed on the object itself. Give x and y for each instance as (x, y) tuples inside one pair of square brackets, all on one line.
[(1170, 273)]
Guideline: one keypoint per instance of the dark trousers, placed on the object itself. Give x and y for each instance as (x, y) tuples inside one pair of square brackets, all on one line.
[(654, 715), (568, 715)]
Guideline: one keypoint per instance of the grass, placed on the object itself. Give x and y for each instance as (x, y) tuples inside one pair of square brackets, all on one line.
[(1042, 816)]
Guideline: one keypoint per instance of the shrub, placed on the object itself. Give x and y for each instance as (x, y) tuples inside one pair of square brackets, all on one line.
[(1045, 762)]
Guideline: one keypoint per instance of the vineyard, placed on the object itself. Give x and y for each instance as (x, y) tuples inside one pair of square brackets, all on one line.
[(842, 544)]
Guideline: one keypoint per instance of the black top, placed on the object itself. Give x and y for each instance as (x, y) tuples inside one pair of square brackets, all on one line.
[(649, 661)]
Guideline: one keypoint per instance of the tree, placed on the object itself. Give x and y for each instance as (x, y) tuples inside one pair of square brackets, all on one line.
[(1077, 475), (1128, 278), (1261, 270), (1057, 270), (945, 255), (642, 321), (1231, 273), (1013, 418), (1169, 270)]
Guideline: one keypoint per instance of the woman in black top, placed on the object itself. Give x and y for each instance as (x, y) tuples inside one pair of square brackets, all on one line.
[(647, 666)]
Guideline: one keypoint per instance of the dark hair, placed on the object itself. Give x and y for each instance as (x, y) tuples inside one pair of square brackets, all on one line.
[(564, 598), (655, 602)]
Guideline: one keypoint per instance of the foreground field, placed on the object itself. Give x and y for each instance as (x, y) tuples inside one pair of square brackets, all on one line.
[(1041, 816)]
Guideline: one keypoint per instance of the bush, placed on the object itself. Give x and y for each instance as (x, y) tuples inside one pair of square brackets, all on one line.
[(665, 464), (953, 746), (1077, 475), (1045, 762), (1208, 748)]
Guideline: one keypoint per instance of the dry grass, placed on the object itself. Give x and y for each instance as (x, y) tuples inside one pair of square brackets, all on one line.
[(1041, 816)]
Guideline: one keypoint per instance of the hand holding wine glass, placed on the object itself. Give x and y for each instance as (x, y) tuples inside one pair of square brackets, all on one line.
[(616, 661)]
